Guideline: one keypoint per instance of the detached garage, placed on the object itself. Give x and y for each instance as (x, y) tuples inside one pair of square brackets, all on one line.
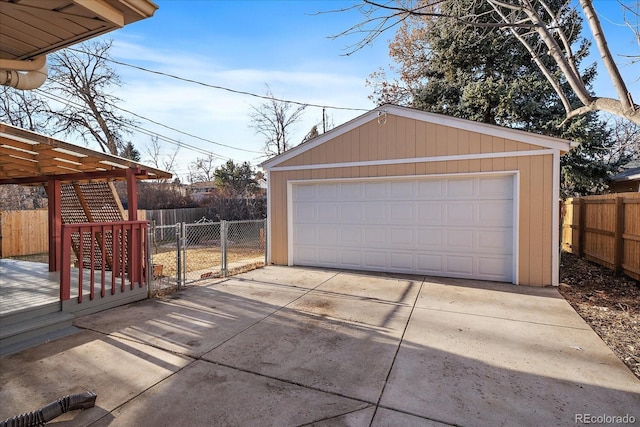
[(406, 191)]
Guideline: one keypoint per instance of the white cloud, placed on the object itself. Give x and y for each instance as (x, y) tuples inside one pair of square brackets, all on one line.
[(221, 115)]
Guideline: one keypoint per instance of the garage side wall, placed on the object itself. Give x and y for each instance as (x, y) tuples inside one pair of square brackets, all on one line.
[(403, 138)]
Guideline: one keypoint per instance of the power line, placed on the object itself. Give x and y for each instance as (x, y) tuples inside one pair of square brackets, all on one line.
[(172, 128), (240, 92), (140, 129), (186, 133)]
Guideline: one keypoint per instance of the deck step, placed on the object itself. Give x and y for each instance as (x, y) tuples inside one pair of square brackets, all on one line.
[(20, 331), (25, 314)]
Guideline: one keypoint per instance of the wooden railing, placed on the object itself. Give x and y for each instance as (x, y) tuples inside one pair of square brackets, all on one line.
[(103, 258), (605, 230)]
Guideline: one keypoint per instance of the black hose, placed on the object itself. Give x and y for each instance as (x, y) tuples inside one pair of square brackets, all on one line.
[(52, 410)]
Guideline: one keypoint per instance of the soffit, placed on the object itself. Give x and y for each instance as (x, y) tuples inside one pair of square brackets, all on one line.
[(31, 28)]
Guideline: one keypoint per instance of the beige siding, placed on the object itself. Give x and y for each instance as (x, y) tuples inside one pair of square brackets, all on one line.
[(403, 138), (407, 138)]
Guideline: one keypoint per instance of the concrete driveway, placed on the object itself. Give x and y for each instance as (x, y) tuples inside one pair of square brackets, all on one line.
[(284, 346)]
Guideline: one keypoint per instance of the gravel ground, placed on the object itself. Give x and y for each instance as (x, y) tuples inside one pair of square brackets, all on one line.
[(610, 304)]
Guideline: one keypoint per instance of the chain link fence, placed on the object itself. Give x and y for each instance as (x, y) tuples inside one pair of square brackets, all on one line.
[(163, 240), (184, 253)]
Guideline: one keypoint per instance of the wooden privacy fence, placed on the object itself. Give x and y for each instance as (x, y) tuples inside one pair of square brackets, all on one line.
[(605, 230), (26, 232), (23, 233)]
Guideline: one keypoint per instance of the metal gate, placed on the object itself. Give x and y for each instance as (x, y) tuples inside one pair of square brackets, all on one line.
[(185, 253)]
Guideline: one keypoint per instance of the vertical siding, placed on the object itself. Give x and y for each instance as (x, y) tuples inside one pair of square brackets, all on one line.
[(400, 137), (536, 218)]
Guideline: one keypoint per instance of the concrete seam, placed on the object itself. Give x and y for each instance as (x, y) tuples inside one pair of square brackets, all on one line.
[(143, 391), (336, 416), (507, 319), (418, 416), (248, 371), (395, 355), (274, 312)]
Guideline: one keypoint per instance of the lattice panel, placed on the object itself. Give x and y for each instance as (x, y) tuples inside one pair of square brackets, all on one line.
[(91, 202)]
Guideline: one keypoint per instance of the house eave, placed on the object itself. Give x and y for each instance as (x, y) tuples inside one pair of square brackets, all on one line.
[(483, 128)]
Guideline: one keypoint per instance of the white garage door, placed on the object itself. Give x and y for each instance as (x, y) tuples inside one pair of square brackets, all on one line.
[(453, 227)]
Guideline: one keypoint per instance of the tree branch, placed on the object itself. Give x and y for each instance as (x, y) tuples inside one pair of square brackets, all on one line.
[(612, 69)]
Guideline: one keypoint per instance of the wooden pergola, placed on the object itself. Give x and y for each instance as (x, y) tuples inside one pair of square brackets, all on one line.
[(28, 158)]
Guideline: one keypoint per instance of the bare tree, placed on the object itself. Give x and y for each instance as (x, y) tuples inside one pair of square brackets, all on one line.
[(203, 169), (159, 159), (535, 24), (24, 109), (631, 16), (273, 119), (82, 78), (626, 137)]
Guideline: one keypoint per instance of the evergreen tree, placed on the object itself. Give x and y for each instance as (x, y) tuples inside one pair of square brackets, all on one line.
[(236, 180), (481, 74), (130, 152)]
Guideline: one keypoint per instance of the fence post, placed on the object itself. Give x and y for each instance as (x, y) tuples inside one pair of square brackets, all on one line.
[(266, 241), (618, 254), (582, 215), (223, 247), (149, 263), (178, 255)]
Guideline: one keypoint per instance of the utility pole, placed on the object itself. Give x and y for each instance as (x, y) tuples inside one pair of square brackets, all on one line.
[(324, 123)]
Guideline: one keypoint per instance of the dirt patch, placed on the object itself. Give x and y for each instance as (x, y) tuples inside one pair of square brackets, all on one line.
[(203, 258), (610, 304)]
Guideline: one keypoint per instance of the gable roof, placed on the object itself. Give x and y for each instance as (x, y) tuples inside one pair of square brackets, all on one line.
[(424, 116)]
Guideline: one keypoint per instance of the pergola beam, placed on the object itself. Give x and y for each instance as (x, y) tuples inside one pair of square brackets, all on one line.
[(80, 176)]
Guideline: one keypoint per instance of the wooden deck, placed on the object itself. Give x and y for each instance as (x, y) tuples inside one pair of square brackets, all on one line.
[(25, 284)]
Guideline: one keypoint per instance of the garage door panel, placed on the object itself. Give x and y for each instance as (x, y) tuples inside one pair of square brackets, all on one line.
[(402, 237), (351, 213), (430, 264), (350, 236), (375, 259), (435, 226), (460, 188), (461, 213), (304, 192), (327, 256), (375, 236), (350, 258), (304, 233), (430, 213), (375, 191), (306, 255), (495, 186), (401, 190), (493, 268), (304, 213), (460, 240), (430, 238), (376, 213), (329, 213), (327, 192), (402, 212), (430, 190), (352, 191), (401, 260), (459, 265), (493, 241), (327, 235), (495, 213)]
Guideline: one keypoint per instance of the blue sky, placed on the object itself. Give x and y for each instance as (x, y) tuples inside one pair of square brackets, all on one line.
[(244, 45)]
